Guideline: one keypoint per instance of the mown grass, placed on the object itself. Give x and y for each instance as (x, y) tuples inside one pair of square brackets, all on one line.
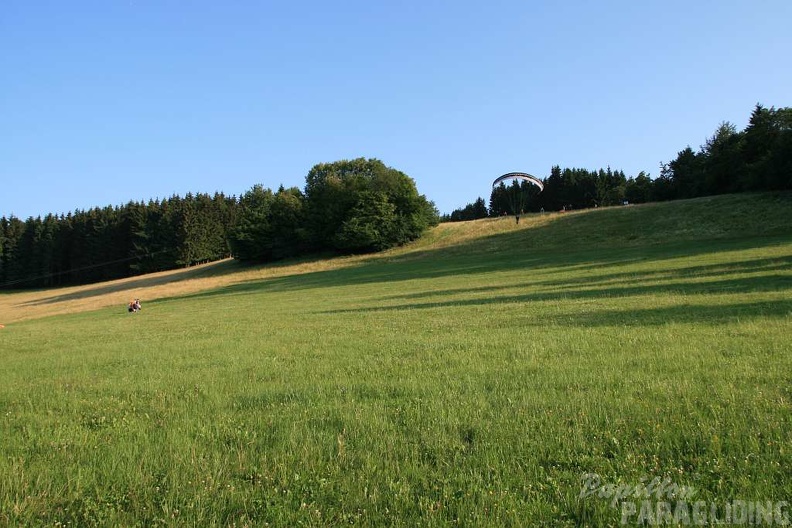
[(471, 379)]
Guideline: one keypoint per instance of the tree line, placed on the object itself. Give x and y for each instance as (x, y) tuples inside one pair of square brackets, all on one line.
[(758, 158), (348, 206)]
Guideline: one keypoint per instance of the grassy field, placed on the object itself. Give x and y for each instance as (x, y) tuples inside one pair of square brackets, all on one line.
[(472, 378)]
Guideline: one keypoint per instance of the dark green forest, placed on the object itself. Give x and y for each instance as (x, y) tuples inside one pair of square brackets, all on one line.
[(348, 206), (758, 158)]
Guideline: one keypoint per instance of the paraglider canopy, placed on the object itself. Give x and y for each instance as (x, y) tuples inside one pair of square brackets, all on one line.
[(518, 193), (524, 176)]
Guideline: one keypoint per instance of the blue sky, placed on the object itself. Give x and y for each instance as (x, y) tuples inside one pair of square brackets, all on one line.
[(109, 101)]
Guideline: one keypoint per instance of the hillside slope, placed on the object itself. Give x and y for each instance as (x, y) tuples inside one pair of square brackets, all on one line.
[(471, 378), (743, 216)]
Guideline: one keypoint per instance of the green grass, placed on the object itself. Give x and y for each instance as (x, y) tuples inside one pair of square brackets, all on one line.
[(470, 382)]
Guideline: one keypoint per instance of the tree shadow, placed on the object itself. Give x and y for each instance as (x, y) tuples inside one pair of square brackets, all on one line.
[(686, 313), (214, 269), (775, 283), (702, 272), (768, 264), (475, 257)]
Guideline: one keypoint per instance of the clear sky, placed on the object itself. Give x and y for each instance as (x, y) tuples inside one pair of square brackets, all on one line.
[(108, 101)]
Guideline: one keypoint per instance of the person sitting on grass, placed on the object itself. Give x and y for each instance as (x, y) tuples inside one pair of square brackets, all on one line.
[(134, 306)]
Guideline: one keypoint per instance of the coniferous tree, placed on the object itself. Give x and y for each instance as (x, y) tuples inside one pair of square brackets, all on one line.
[(13, 269), (639, 189), (3, 223), (472, 211), (722, 161), (767, 149)]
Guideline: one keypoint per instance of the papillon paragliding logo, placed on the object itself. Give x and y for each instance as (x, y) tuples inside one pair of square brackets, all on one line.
[(516, 186)]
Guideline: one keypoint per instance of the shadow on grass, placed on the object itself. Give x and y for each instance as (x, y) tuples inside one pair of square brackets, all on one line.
[(688, 313), (214, 269), (692, 313), (775, 283), (474, 258), (701, 273)]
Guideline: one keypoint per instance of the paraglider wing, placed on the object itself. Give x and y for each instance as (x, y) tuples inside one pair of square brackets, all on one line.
[(519, 176)]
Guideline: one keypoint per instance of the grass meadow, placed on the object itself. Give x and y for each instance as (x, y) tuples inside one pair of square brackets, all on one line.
[(472, 378)]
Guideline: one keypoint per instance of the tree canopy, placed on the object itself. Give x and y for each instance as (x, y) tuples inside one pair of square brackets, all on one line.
[(362, 205)]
